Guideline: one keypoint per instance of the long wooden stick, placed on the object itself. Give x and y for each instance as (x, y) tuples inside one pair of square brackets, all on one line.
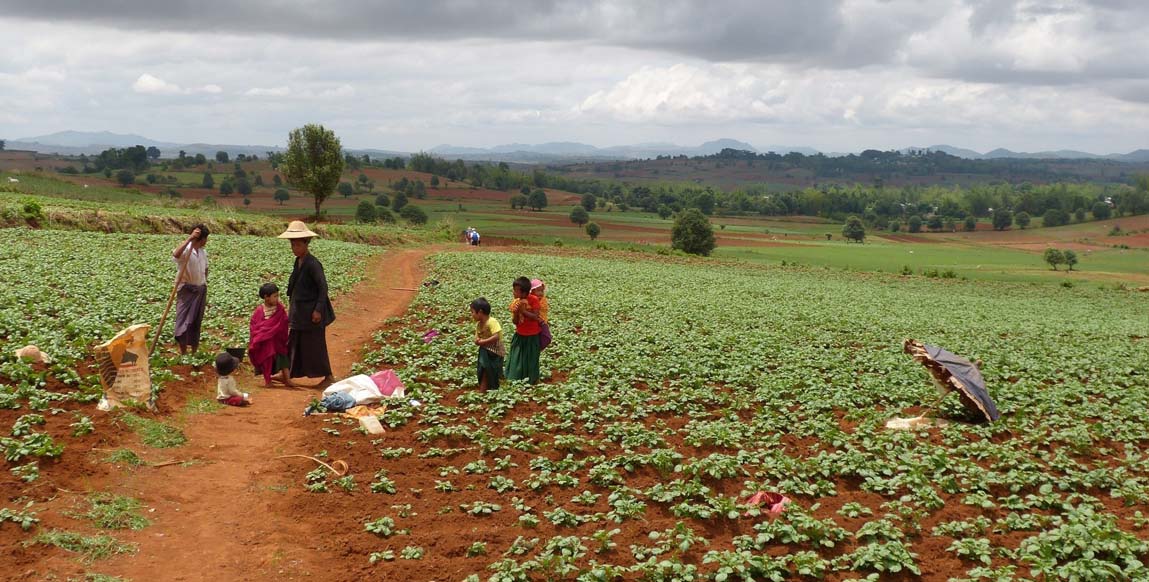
[(171, 297)]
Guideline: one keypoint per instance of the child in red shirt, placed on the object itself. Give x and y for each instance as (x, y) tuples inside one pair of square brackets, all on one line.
[(523, 357)]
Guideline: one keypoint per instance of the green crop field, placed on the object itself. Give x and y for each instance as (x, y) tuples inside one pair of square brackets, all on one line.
[(76, 289), (680, 388)]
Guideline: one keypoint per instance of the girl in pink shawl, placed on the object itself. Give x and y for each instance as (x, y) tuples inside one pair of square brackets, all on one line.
[(269, 330)]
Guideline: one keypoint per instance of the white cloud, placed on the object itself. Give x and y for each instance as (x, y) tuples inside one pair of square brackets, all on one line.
[(211, 89), (150, 85), (689, 93), (341, 91), (268, 92)]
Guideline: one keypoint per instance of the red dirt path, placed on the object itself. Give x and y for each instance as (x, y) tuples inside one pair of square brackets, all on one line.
[(215, 519)]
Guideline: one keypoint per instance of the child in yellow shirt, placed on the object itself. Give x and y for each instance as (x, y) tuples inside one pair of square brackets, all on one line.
[(489, 338)]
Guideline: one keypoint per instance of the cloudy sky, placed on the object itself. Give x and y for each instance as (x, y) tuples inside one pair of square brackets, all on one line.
[(838, 75)]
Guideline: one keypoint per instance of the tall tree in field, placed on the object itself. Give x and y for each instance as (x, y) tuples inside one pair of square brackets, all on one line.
[(692, 233), (1070, 258), (1002, 219), (579, 216), (208, 181), (1054, 257), (854, 230), (153, 152), (281, 196), (313, 161), (593, 230), (538, 199), (221, 157)]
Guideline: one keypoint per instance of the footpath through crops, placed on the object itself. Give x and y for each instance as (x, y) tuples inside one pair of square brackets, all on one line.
[(67, 291), (677, 390)]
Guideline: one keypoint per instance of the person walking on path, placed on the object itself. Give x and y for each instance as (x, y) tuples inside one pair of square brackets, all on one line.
[(310, 309), (191, 295)]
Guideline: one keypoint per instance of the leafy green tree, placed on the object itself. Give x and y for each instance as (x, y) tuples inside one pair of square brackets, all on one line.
[(434, 181), (705, 202), (854, 230), (225, 188), (538, 199), (2, 144), (1055, 217), (419, 190), (1002, 219), (221, 157), (915, 223), (519, 201), (1022, 219), (593, 230), (1079, 214), (589, 201), (208, 181), (200, 159), (382, 200), (399, 201), (277, 180), (243, 187), (125, 177), (282, 195), (346, 189), (950, 224), (313, 161), (896, 226), (246, 201), (1054, 257), (259, 180), (1070, 258), (365, 212), (153, 153), (1101, 211), (935, 223), (692, 233), (413, 214), (664, 211), (579, 216), (970, 223)]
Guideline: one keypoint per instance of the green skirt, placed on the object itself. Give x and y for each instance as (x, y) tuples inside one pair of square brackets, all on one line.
[(523, 358), (491, 365)]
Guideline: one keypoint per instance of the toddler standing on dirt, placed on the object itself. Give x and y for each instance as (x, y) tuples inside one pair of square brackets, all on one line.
[(269, 332), (226, 391), (489, 338)]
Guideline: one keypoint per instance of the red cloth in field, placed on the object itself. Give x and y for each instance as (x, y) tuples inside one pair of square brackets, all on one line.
[(234, 400), (268, 340)]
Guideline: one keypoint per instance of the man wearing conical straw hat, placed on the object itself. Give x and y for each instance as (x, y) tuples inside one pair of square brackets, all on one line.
[(310, 308)]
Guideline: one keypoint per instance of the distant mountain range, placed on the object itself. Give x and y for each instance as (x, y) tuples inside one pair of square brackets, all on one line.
[(1133, 157), (86, 142), (569, 150)]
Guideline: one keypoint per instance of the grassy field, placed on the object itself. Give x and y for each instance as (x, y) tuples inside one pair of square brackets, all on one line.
[(1107, 255)]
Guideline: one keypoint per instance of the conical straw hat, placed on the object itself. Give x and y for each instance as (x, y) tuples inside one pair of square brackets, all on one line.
[(297, 229)]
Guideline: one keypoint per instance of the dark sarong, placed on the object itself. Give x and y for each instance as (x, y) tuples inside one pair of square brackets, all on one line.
[(191, 300), (523, 358), (491, 365), (308, 351)]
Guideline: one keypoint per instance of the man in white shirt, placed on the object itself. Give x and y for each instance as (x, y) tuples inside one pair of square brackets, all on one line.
[(191, 297)]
